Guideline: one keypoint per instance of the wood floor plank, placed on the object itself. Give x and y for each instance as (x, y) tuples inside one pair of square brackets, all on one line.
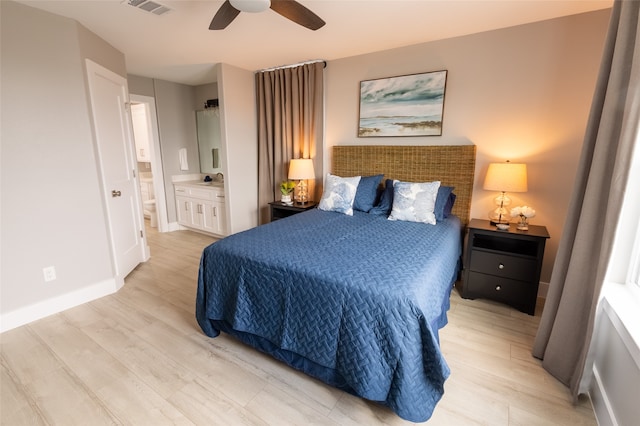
[(150, 365), (278, 408), (17, 406), (139, 357), (205, 407)]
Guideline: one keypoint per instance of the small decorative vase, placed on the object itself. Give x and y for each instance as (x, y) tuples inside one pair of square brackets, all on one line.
[(522, 224), (286, 199)]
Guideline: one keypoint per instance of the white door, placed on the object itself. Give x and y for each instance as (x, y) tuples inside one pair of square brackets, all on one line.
[(116, 156)]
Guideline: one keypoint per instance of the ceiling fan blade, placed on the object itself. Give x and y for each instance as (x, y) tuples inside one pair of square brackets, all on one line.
[(224, 16), (296, 12)]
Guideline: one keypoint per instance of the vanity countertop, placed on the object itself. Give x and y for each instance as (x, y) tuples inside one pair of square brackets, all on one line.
[(200, 184)]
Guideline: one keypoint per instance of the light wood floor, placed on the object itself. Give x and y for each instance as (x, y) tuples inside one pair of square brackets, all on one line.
[(138, 357)]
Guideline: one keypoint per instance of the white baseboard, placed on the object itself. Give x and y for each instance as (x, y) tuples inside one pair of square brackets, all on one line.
[(175, 226), (600, 402), (36, 311)]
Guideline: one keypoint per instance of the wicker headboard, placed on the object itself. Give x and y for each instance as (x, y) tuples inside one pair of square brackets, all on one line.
[(452, 165)]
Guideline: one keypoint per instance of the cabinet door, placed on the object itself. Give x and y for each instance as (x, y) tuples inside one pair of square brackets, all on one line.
[(144, 191), (220, 217), (208, 220), (213, 218), (185, 210)]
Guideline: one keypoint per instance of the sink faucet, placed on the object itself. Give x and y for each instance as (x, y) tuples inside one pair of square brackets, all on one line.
[(220, 177)]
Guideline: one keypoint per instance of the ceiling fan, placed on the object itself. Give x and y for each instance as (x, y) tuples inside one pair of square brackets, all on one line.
[(290, 9)]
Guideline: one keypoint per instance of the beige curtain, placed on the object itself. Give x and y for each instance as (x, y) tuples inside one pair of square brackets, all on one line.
[(290, 125), (567, 321)]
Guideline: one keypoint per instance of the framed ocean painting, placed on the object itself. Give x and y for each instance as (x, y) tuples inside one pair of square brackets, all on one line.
[(408, 105)]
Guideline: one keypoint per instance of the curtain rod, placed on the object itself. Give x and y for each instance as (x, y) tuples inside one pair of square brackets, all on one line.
[(294, 65)]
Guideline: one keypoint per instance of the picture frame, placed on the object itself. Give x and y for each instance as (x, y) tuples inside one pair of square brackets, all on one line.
[(408, 105)]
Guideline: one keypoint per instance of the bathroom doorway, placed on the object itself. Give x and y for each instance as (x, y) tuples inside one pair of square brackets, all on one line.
[(151, 176)]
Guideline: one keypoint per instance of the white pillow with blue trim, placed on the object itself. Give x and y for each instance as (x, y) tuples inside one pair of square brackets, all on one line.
[(414, 202), (339, 194)]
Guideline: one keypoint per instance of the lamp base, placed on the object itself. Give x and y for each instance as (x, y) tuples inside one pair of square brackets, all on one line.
[(301, 192), (499, 215)]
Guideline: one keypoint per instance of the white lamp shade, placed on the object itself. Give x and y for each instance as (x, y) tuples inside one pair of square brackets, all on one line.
[(506, 177), (301, 168)]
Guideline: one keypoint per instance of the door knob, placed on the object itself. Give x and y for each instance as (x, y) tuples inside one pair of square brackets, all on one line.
[(115, 193)]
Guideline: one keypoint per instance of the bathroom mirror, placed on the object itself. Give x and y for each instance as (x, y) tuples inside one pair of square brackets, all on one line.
[(208, 126)]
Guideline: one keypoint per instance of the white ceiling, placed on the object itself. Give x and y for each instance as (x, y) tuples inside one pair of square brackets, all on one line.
[(179, 47)]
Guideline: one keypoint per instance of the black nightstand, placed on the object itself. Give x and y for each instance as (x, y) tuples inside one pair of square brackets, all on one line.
[(503, 265), (280, 210)]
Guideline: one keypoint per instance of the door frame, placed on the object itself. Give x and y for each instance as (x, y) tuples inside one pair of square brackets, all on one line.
[(156, 159)]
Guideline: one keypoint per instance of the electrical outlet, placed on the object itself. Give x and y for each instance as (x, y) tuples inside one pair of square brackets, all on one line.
[(49, 273)]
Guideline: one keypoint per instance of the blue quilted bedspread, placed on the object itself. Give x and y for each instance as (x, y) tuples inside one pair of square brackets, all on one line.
[(355, 301)]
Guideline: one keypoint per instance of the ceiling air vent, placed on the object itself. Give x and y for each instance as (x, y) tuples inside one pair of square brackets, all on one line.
[(149, 6)]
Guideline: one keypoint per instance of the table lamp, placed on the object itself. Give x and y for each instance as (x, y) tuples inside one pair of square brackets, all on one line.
[(504, 177), (301, 169)]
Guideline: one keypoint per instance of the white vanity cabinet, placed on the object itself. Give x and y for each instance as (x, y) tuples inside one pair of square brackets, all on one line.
[(201, 207)]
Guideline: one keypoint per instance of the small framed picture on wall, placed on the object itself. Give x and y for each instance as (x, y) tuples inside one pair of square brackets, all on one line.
[(408, 105)]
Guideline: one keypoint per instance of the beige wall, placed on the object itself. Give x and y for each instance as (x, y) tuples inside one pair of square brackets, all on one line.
[(520, 94), (176, 106), (205, 92), (238, 128), (177, 130), (52, 208)]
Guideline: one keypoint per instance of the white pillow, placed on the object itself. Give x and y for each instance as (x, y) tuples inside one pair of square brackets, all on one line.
[(414, 202), (339, 194)]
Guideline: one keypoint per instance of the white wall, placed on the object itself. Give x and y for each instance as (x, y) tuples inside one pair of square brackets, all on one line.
[(521, 93), (236, 91), (176, 128), (176, 105), (52, 210)]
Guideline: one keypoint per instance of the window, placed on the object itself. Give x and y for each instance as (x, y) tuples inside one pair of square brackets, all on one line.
[(624, 264), (632, 202)]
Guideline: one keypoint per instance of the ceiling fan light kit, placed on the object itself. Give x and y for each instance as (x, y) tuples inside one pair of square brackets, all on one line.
[(290, 9), (251, 6)]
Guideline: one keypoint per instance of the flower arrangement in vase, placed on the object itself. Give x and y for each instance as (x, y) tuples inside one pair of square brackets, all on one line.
[(286, 189), (525, 213)]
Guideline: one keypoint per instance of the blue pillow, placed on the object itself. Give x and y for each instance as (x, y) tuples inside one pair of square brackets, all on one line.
[(449, 206), (383, 208), (442, 199), (366, 193)]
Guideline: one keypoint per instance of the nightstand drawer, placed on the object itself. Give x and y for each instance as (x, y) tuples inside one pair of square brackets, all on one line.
[(516, 293), (502, 265)]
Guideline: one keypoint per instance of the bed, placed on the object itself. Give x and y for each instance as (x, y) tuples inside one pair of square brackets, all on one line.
[(353, 300)]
